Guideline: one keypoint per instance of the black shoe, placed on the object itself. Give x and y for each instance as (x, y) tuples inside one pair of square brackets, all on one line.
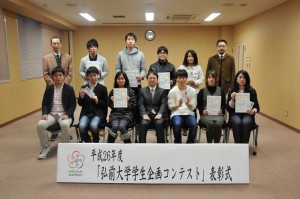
[(53, 136), (71, 137)]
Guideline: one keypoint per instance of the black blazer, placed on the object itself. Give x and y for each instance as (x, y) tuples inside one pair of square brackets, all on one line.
[(86, 102), (146, 104), (68, 100)]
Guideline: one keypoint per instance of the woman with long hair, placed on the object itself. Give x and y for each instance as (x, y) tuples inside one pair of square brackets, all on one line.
[(119, 118), (241, 122)]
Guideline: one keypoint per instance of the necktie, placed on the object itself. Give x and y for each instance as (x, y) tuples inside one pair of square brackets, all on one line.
[(220, 78), (57, 60), (152, 93)]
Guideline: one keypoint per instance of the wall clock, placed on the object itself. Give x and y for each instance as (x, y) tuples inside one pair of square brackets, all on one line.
[(150, 35)]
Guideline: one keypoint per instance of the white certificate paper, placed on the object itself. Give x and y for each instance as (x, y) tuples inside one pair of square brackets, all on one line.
[(94, 63), (164, 80), (132, 78), (242, 102), (89, 92), (213, 105), (120, 95)]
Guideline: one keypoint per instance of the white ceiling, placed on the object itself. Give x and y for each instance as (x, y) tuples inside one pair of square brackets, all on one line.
[(233, 11)]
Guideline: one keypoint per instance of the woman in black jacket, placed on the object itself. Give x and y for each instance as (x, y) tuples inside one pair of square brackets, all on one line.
[(241, 120)]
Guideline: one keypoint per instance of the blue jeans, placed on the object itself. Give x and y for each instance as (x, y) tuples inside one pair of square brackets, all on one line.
[(89, 122), (241, 127), (189, 121)]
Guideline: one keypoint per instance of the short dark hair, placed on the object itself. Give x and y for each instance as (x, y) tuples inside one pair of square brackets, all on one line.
[(247, 77), (118, 74), (213, 74), (162, 48), (55, 37), (221, 40), (194, 54), (153, 73), (130, 34), (58, 69), (181, 73), (92, 69), (92, 42)]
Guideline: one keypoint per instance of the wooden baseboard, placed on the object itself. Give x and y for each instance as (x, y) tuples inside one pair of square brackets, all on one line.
[(18, 118), (279, 122)]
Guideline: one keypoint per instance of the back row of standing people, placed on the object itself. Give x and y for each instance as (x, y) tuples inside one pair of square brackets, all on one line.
[(132, 59)]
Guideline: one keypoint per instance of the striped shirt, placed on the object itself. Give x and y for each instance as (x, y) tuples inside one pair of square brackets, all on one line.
[(57, 107)]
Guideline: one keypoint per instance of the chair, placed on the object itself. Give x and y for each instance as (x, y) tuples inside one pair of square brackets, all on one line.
[(224, 131), (55, 129), (254, 129), (101, 127), (130, 127)]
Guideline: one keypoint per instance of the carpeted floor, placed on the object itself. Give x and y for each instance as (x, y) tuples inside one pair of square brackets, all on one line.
[(274, 172)]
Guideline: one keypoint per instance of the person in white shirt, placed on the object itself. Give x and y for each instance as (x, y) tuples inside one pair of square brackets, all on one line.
[(182, 101), (195, 73)]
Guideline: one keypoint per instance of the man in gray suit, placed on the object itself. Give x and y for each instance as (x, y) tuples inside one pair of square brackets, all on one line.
[(152, 107)]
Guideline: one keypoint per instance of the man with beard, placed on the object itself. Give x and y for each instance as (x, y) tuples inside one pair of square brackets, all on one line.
[(224, 66)]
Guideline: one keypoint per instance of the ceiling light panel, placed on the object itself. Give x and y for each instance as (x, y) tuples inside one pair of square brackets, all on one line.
[(87, 16)]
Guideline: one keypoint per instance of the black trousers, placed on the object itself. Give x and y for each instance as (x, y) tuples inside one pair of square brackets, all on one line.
[(159, 128)]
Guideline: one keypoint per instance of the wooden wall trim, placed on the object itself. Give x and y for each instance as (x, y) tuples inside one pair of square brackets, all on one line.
[(18, 118), (280, 122)]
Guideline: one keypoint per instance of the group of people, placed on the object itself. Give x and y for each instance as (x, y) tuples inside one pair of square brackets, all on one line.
[(148, 106)]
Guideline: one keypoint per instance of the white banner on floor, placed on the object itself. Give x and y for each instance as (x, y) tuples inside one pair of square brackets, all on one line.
[(153, 163)]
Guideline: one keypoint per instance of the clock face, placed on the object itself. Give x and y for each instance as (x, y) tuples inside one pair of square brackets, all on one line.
[(150, 35)]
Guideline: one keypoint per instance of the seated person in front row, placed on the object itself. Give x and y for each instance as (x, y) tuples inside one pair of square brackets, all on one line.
[(242, 122), (152, 106), (212, 121), (120, 117), (182, 103), (93, 99), (58, 106)]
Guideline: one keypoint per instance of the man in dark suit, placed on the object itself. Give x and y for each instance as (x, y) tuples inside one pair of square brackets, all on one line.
[(152, 107), (58, 106), (56, 58), (224, 66), (93, 99)]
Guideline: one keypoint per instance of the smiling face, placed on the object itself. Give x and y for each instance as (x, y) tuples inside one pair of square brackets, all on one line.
[(190, 59), (93, 78), (181, 81), (152, 80), (241, 80), (58, 78), (121, 81)]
